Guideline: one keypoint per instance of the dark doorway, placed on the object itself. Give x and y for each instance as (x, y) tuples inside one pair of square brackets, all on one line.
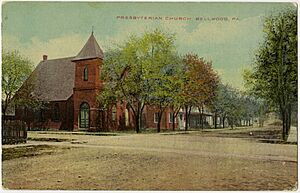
[(84, 115)]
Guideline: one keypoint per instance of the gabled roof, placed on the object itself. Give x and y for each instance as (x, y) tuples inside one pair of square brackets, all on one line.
[(90, 50), (54, 79)]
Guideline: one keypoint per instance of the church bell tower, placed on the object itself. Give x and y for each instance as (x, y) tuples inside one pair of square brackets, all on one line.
[(87, 85)]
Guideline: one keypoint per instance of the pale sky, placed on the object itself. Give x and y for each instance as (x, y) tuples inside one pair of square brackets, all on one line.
[(60, 29)]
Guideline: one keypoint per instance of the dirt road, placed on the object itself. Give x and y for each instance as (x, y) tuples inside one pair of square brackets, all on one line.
[(194, 161)]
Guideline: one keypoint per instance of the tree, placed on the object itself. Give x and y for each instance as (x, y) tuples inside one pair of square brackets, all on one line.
[(177, 99), (200, 84), (262, 109), (227, 104), (220, 103), (159, 55), (132, 72), (274, 73), (232, 105), (15, 70), (165, 86)]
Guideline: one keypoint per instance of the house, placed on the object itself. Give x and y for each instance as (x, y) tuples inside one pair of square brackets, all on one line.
[(68, 88)]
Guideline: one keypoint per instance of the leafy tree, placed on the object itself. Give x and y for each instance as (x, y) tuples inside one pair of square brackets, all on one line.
[(15, 70), (161, 64), (262, 110), (274, 74), (227, 104), (124, 79), (200, 84), (249, 109), (165, 87), (132, 72), (220, 103), (233, 105), (177, 98), (237, 106)]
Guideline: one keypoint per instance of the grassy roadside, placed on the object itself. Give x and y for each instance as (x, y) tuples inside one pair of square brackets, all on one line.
[(31, 150)]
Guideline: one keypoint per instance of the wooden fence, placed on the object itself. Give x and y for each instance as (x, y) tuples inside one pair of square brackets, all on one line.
[(13, 131)]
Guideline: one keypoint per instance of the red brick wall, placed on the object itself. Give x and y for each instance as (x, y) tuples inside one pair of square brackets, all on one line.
[(94, 69), (64, 122), (119, 123), (149, 112), (87, 91)]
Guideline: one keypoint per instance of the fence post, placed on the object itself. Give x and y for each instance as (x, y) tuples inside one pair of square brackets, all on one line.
[(13, 131)]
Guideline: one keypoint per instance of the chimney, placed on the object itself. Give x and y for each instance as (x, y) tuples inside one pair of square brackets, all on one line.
[(45, 57)]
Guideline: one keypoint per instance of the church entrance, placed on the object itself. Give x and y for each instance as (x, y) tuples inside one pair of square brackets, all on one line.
[(84, 119)]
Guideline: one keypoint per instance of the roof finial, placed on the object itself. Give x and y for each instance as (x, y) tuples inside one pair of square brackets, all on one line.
[(92, 30)]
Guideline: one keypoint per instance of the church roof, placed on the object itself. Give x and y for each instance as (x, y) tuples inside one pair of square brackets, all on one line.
[(54, 79), (90, 50)]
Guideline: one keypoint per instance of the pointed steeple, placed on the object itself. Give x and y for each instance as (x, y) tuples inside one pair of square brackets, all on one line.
[(90, 50)]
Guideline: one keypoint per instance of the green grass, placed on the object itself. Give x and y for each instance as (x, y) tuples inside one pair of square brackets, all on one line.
[(78, 133), (26, 151), (49, 139), (277, 142), (30, 151)]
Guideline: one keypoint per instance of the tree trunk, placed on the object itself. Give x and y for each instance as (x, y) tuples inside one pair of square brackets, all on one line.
[(3, 114), (201, 120), (137, 120), (173, 121), (5, 106), (159, 120), (160, 113), (223, 119), (231, 122), (289, 120), (283, 125), (175, 114), (28, 126), (4, 111), (186, 118), (137, 124), (216, 120), (202, 124), (286, 124)]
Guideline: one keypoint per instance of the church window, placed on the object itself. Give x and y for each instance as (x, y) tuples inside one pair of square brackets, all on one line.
[(114, 113), (85, 74), (156, 117), (126, 117), (171, 118), (56, 114), (84, 115), (39, 115)]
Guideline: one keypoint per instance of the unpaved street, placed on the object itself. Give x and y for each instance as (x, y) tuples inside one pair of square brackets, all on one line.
[(193, 161)]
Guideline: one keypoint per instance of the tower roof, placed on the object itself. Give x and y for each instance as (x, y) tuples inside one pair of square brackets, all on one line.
[(90, 50)]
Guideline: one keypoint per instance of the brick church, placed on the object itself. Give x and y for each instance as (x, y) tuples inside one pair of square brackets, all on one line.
[(69, 86)]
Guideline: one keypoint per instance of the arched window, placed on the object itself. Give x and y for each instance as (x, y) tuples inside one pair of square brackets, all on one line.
[(85, 74), (39, 115), (126, 117), (84, 115), (114, 113), (55, 113)]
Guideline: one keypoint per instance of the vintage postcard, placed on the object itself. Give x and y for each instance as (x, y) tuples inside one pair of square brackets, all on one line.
[(149, 96)]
